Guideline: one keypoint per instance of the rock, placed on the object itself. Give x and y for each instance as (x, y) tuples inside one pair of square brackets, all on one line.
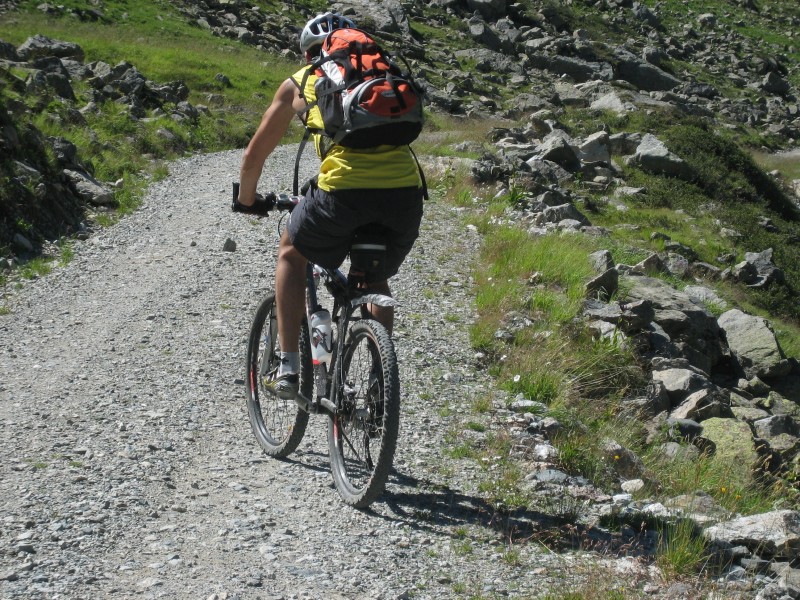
[(773, 535), (767, 272), (613, 103), (704, 296), (700, 343), (754, 345), (40, 45), (632, 486), (622, 460), (556, 149), (676, 451), (649, 266), (8, 52), (555, 214), (776, 425), (601, 261), (653, 156), (701, 405), (681, 383), (579, 69), (700, 507), (643, 75), (683, 429), (89, 188), (775, 84), (594, 149), (604, 285), (733, 440)]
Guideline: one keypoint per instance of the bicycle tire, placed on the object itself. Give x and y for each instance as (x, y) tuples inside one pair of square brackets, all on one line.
[(278, 425), (367, 420)]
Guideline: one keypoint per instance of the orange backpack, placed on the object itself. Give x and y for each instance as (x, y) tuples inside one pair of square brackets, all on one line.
[(365, 99)]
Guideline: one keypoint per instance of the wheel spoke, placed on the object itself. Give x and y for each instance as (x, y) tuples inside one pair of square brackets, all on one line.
[(363, 435), (277, 424)]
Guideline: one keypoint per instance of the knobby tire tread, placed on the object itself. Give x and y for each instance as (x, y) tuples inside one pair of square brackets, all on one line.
[(277, 444), (363, 496)]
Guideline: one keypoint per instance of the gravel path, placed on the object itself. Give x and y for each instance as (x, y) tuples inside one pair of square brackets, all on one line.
[(130, 469)]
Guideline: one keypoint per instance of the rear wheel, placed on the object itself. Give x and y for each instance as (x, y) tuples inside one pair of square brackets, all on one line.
[(362, 435), (278, 424)]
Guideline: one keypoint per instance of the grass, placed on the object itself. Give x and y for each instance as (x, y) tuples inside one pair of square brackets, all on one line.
[(164, 48), (682, 551)]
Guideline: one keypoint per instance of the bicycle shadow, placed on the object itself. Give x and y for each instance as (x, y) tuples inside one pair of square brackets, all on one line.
[(426, 505), (422, 504)]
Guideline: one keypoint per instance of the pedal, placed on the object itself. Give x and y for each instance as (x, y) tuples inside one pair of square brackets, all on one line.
[(327, 405)]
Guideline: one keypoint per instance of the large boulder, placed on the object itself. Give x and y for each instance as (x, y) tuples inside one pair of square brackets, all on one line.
[(774, 534), (753, 344), (698, 340), (733, 441), (653, 156), (40, 45), (643, 75), (89, 188)]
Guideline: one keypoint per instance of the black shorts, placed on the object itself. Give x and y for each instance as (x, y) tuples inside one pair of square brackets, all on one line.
[(321, 227)]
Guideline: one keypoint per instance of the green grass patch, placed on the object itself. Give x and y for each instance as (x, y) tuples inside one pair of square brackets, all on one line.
[(682, 550)]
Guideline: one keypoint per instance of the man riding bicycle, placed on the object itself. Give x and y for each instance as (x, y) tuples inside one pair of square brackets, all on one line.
[(355, 187)]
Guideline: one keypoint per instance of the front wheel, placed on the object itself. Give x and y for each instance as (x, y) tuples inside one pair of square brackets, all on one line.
[(279, 425), (362, 434)]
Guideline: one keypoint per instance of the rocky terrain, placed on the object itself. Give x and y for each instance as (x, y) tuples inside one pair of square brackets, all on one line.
[(134, 471)]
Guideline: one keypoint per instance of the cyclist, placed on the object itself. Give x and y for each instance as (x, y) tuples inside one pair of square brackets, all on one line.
[(380, 185)]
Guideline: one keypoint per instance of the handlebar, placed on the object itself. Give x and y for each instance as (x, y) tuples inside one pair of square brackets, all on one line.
[(264, 203)]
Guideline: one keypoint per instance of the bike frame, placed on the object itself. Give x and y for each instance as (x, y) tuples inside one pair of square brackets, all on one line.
[(347, 297)]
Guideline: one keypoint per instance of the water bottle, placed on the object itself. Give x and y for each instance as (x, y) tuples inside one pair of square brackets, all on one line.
[(321, 337)]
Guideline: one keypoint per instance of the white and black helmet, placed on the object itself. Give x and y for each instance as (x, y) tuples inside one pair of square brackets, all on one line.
[(318, 28)]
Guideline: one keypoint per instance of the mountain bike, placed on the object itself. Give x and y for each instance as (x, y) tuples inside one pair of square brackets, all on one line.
[(356, 385)]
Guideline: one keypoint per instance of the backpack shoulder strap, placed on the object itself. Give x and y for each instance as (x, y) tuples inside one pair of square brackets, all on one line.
[(300, 148), (421, 174)]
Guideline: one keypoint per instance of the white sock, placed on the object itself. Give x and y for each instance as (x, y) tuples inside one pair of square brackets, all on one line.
[(290, 363)]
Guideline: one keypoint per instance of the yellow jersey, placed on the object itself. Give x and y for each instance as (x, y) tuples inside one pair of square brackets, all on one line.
[(343, 168)]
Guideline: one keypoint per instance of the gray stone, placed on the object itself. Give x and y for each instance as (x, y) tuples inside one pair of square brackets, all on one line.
[(733, 440), (40, 45), (89, 188), (680, 383), (775, 84), (774, 534), (701, 405), (653, 156), (613, 103), (767, 272), (649, 266), (700, 507), (754, 345), (676, 264), (774, 426), (555, 214), (604, 285), (594, 149), (601, 261), (623, 460), (556, 149), (489, 9), (579, 69), (704, 296), (643, 75)]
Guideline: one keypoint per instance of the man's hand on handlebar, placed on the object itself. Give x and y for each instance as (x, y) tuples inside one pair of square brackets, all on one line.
[(261, 206)]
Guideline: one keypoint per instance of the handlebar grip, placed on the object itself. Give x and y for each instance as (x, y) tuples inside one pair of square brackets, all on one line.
[(261, 206)]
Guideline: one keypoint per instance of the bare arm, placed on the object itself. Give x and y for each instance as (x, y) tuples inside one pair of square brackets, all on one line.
[(273, 126)]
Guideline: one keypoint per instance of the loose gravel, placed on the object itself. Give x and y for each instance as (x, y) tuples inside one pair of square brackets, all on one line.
[(130, 470)]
